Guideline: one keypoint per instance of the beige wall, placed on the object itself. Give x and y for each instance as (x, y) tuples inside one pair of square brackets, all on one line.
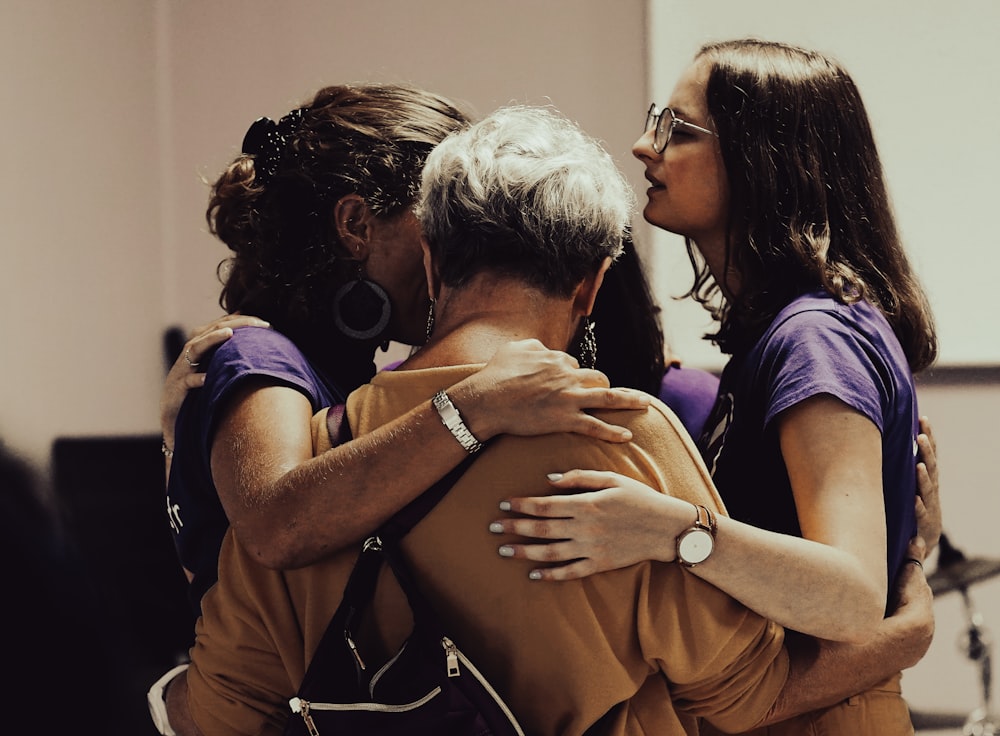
[(80, 289), (116, 111)]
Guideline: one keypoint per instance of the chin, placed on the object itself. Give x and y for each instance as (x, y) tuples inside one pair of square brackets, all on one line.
[(650, 215)]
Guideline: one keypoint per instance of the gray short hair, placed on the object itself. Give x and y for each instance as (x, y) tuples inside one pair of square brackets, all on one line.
[(527, 193)]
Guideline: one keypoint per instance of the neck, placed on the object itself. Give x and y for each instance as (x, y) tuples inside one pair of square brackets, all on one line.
[(713, 250), (472, 322)]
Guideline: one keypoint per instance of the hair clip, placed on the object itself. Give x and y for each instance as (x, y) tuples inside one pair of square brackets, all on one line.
[(265, 140)]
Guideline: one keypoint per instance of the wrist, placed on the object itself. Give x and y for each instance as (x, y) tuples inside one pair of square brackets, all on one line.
[(467, 396)]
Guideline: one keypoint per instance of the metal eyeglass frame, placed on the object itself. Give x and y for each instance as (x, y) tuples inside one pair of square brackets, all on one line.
[(656, 117)]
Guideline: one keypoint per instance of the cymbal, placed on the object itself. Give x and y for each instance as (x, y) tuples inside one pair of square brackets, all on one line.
[(962, 573)]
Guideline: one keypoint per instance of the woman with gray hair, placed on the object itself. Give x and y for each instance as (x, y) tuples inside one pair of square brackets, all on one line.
[(526, 196)]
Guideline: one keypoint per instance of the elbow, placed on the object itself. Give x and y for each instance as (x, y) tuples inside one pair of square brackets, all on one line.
[(862, 620), (289, 548), (271, 549)]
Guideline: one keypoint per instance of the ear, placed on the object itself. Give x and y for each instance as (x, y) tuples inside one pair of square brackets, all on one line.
[(586, 292), (352, 221), (433, 282)]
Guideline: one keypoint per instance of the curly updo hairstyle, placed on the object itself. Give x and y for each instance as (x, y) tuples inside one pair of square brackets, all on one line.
[(273, 208)]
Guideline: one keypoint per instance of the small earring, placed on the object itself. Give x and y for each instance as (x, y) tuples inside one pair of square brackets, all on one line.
[(430, 318), (588, 344)]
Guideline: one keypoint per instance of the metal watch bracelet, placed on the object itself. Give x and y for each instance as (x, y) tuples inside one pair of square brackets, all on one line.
[(453, 421)]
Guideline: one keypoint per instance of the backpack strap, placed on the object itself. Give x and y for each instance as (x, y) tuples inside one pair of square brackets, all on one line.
[(360, 588)]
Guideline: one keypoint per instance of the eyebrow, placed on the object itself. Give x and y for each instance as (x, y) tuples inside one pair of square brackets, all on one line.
[(683, 114)]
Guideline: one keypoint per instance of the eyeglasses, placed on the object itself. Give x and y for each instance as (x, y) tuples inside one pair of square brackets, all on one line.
[(665, 122)]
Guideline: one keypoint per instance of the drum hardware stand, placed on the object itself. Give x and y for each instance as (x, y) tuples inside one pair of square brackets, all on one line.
[(976, 643)]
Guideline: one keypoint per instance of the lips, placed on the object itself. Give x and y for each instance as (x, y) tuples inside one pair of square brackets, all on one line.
[(655, 183)]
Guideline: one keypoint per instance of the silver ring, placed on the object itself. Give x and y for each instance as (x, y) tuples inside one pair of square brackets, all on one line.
[(187, 357), (916, 562)]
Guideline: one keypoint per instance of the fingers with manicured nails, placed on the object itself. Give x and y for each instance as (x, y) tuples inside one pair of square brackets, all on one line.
[(572, 571), (540, 506), (555, 552), (537, 528), (587, 480), (525, 373), (590, 426)]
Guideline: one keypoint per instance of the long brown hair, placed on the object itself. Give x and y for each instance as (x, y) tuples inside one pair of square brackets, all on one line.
[(809, 205)]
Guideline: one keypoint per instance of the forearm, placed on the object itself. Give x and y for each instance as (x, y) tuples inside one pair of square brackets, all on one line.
[(337, 498), (290, 508), (822, 673), (776, 576)]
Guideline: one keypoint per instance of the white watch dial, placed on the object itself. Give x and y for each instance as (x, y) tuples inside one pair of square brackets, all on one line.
[(695, 546)]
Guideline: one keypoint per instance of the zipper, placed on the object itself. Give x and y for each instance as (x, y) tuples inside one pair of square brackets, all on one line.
[(453, 657), (488, 687), (450, 656), (354, 649), (301, 707), (382, 670), (373, 707)]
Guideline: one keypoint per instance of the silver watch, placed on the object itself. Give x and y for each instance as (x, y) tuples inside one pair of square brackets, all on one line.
[(453, 421), (696, 543)]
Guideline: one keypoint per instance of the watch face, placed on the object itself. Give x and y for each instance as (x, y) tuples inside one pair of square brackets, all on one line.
[(695, 546)]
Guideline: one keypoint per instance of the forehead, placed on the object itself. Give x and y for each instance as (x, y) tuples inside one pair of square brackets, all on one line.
[(688, 96)]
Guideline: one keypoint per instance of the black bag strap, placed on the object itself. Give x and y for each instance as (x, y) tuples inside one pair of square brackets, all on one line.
[(361, 585)]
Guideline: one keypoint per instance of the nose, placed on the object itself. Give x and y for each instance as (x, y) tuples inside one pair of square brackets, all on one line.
[(642, 149)]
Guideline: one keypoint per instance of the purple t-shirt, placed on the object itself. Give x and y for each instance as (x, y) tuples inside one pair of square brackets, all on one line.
[(193, 507), (691, 394), (814, 346)]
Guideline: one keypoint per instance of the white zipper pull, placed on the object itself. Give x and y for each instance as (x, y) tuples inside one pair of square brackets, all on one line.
[(301, 707), (451, 656)]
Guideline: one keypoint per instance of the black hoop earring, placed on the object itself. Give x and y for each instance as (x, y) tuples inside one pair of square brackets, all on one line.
[(361, 309)]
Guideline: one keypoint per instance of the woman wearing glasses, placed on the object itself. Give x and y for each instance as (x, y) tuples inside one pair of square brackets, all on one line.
[(765, 162)]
